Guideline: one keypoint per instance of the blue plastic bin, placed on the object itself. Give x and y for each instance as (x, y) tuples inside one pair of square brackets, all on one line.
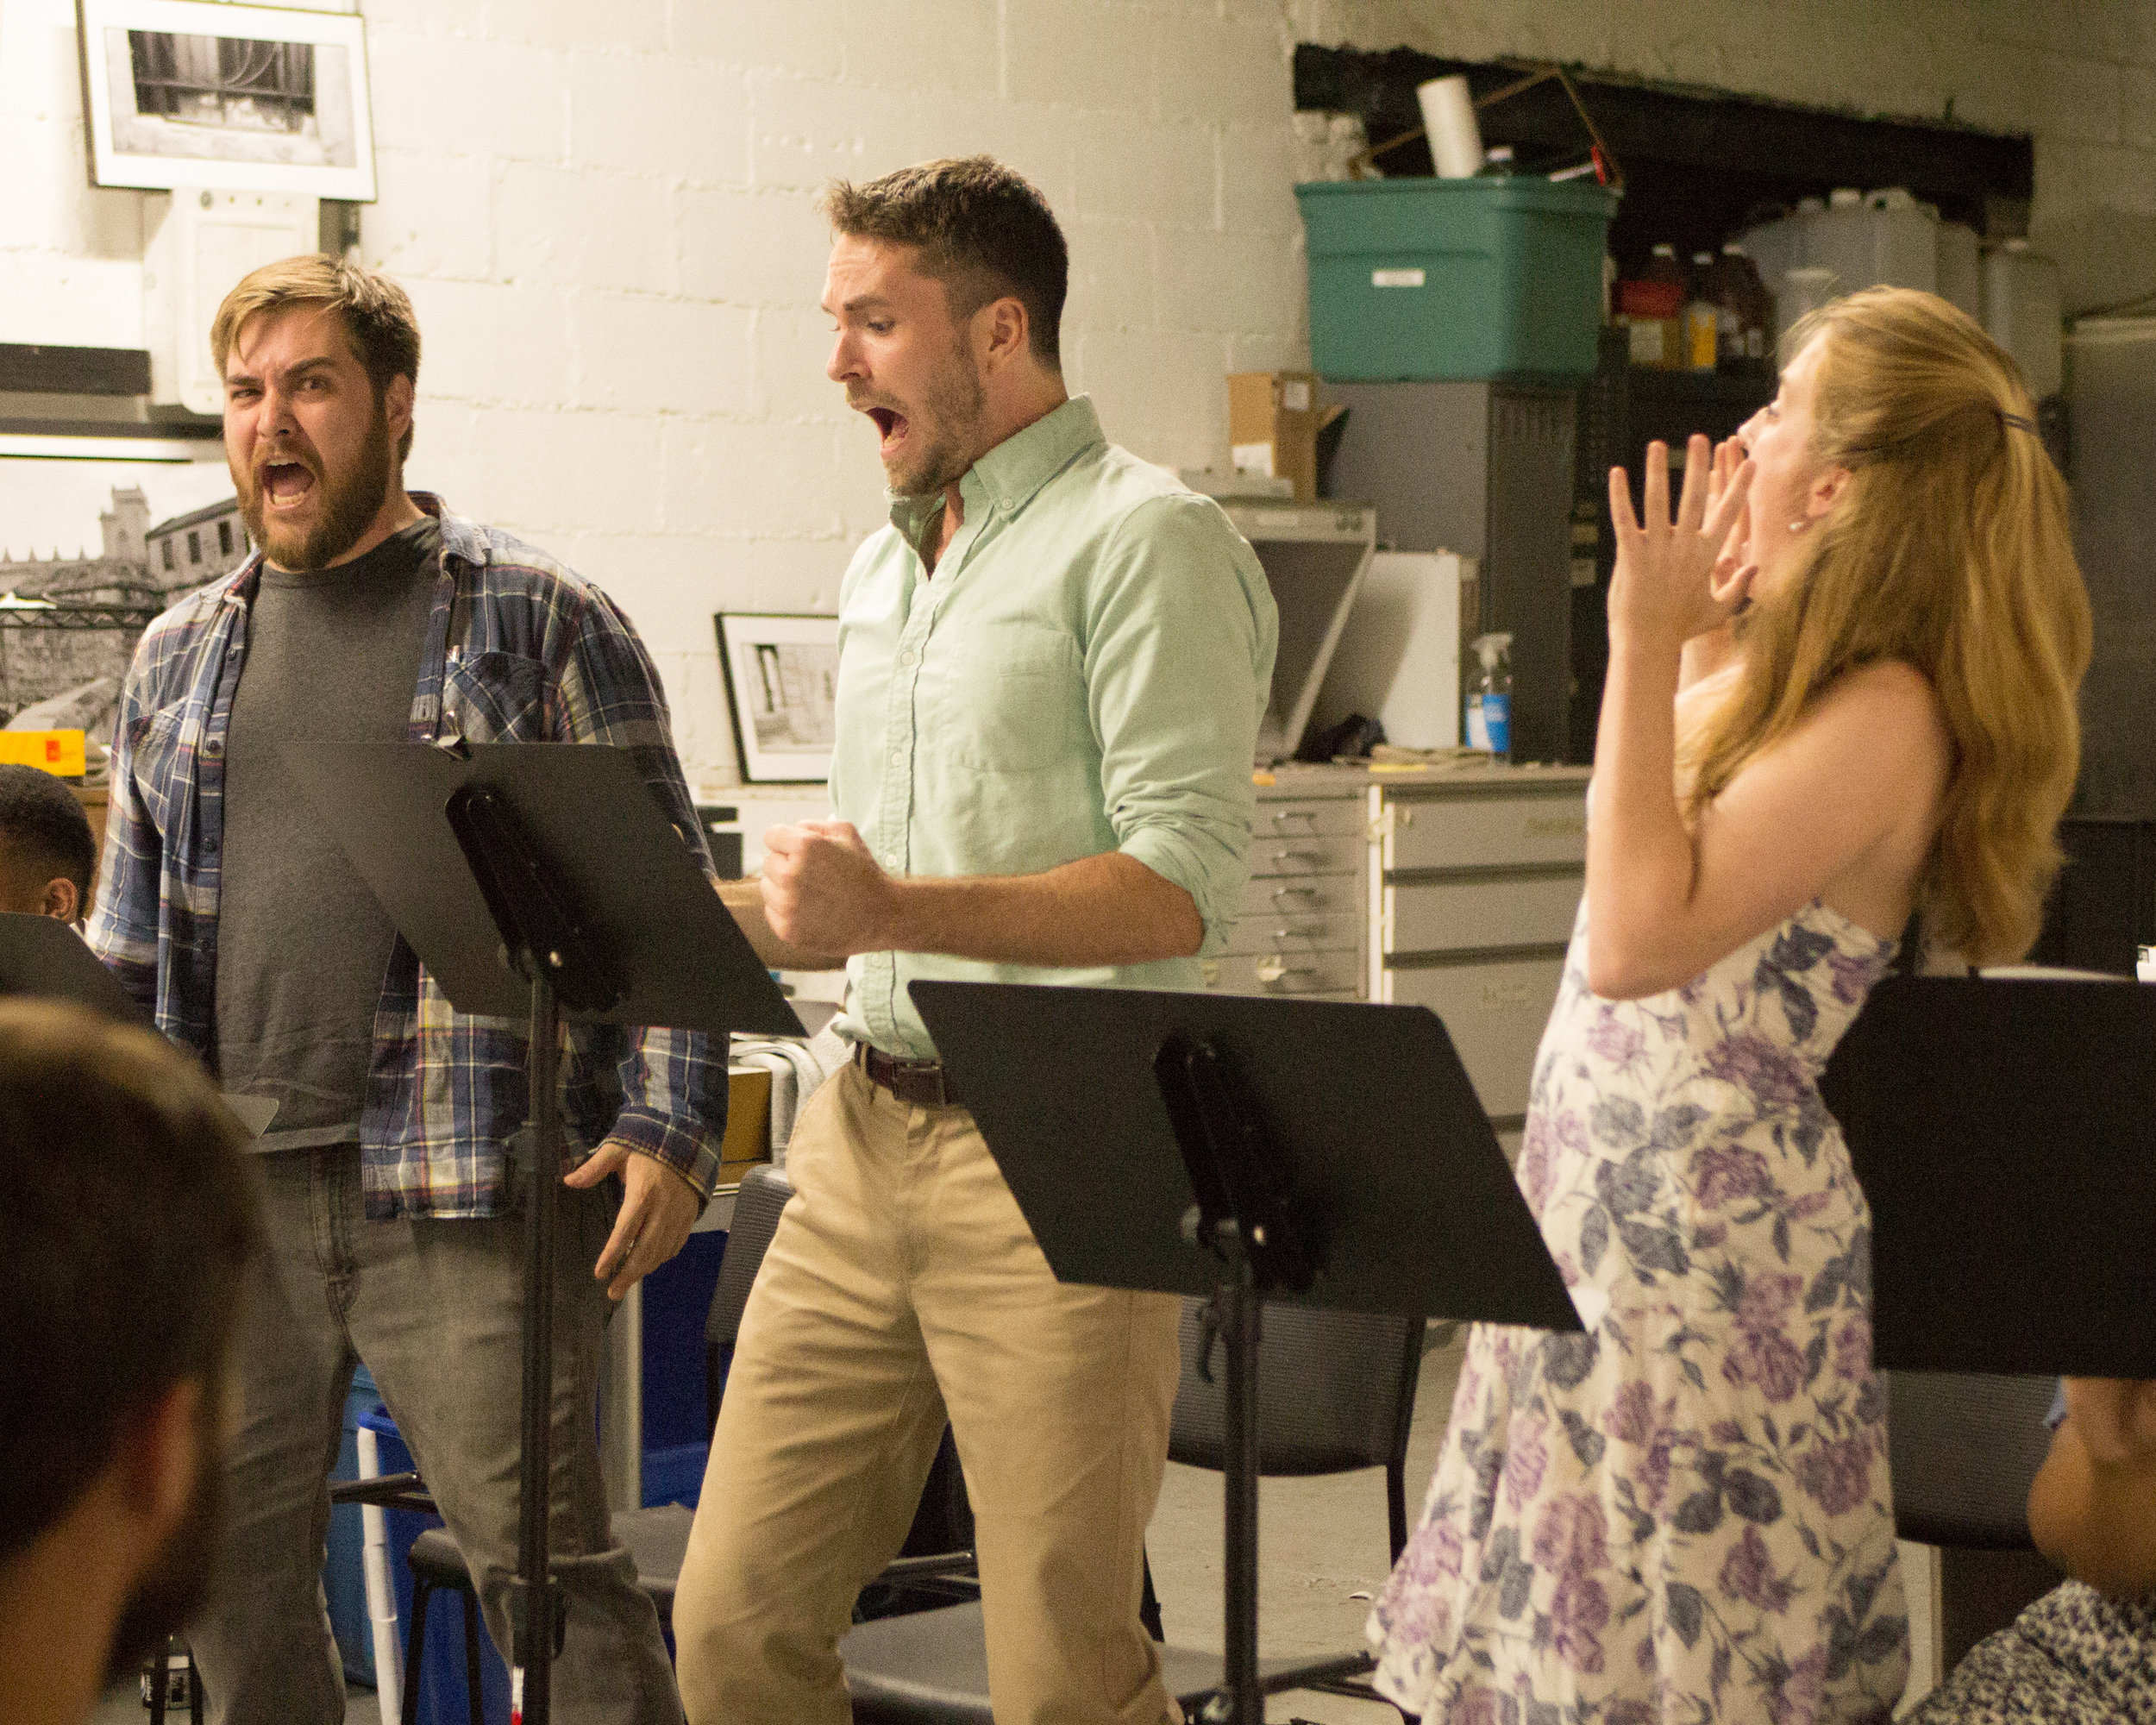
[(677, 1299)]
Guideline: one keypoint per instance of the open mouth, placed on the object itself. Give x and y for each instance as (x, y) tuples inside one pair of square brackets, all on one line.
[(287, 483), (891, 425)]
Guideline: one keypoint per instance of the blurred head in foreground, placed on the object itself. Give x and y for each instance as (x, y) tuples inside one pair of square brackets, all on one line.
[(130, 1220)]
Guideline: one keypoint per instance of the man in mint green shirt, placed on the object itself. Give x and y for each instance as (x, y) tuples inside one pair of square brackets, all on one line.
[(1052, 667)]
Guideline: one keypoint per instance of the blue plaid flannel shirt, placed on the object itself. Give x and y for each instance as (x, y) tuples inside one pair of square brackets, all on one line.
[(518, 649)]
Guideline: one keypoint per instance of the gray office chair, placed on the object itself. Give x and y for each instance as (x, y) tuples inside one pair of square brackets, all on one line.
[(1963, 1450), (1335, 1392)]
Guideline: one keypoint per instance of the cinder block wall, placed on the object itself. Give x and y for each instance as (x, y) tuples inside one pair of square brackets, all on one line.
[(605, 214)]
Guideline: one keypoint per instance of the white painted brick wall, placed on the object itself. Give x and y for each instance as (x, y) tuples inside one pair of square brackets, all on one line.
[(604, 213)]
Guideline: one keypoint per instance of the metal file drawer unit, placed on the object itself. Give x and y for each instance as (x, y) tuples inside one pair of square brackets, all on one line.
[(1474, 880), (1302, 927)]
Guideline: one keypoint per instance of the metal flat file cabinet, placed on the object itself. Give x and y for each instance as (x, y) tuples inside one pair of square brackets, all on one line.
[(1473, 881), (1302, 925)]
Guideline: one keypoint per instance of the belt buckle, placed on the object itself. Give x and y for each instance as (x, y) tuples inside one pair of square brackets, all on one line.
[(925, 1078), (918, 1081)]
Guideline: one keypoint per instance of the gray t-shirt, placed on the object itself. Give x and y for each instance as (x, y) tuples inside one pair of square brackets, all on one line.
[(333, 656)]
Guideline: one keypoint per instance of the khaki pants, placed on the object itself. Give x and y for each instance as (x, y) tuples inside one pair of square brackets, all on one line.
[(903, 1283)]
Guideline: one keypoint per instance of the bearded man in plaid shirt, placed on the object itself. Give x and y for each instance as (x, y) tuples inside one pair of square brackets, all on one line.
[(367, 614)]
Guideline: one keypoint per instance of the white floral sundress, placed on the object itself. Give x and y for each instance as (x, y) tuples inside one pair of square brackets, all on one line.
[(1681, 1515)]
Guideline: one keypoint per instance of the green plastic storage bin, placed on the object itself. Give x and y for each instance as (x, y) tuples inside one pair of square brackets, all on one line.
[(1455, 278)]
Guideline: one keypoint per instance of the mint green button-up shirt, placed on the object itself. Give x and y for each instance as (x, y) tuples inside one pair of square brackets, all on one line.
[(1085, 673)]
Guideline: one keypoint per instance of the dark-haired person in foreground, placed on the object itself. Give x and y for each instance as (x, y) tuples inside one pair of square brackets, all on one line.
[(47, 854), (130, 1217), (1052, 666), (2085, 1653), (374, 614)]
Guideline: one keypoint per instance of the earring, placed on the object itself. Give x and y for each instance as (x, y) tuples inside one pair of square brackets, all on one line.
[(1799, 524)]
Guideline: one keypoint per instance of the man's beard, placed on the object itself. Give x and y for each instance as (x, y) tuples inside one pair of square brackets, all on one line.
[(956, 399), (172, 1584), (350, 502)]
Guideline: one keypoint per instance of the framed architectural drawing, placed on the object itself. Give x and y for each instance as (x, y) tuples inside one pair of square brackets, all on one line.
[(227, 98), (781, 678)]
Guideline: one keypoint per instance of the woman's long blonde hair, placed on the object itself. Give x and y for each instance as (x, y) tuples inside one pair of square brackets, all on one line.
[(1948, 548)]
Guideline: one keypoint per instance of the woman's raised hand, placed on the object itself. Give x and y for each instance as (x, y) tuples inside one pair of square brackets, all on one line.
[(1680, 576), (1730, 582)]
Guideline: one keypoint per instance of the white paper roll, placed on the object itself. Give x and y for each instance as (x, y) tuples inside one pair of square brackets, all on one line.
[(1448, 115)]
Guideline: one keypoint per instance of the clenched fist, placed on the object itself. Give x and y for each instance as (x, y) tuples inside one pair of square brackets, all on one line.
[(823, 892)]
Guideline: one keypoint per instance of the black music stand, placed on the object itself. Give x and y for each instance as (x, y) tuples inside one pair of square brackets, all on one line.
[(540, 878), (1326, 1153), (43, 956), (2004, 1133)]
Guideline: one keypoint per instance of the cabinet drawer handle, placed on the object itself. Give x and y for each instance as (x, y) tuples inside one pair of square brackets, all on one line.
[(1276, 969), (1280, 893), (1283, 815), (1308, 856)]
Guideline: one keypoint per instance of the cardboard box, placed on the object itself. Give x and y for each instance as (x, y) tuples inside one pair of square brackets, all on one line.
[(747, 1139), (1273, 424)]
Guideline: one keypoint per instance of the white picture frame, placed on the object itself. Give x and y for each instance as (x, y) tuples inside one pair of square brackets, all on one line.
[(781, 674), (199, 93)]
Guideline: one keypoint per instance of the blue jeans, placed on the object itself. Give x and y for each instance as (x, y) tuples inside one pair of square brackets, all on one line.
[(436, 1310)]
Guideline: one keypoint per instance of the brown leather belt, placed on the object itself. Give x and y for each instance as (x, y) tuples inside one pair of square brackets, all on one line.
[(925, 1084)]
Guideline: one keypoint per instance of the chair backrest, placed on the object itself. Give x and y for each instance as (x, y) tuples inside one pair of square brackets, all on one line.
[(1963, 1449), (764, 1192), (1336, 1390)]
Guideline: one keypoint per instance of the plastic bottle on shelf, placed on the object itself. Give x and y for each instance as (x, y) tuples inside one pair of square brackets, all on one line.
[(1702, 322), (1740, 298), (1653, 306), (1662, 265), (1489, 696)]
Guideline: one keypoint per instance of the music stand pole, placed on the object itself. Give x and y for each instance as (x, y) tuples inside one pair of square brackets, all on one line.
[(534, 1631), (1255, 1244), (1241, 1316)]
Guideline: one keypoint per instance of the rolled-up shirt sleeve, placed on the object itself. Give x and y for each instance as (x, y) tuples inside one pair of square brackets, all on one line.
[(1180, 637)]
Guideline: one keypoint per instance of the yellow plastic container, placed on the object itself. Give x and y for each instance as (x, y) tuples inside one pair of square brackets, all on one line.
[(59, 752)]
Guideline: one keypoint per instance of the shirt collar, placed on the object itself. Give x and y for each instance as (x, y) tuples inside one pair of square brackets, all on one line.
[(460, 538), (1008, 475)]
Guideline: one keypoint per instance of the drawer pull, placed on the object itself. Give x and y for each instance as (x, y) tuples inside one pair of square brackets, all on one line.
[(1283, 815), (1280, 893), (1278, 970), (1306, 855)]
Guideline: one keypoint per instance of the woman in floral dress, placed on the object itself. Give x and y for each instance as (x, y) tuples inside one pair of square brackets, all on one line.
[(1682, 1514)]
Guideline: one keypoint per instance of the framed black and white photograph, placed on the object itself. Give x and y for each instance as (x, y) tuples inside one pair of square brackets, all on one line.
[(227, 98), (781, 684)]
